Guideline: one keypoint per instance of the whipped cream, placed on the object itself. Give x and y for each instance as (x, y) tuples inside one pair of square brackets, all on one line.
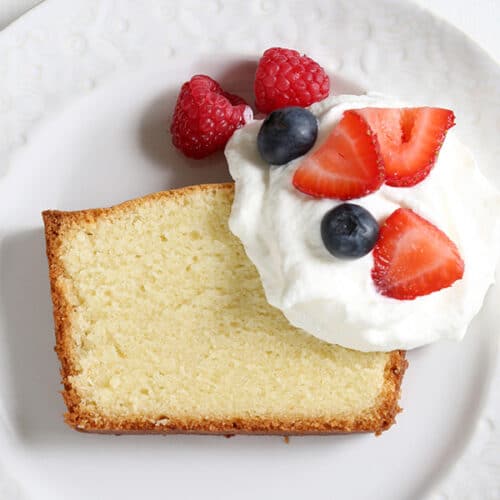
[(336, 300)]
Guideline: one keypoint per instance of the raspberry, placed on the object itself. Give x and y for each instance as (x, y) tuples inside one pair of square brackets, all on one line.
[(205, 117), (285, 78)]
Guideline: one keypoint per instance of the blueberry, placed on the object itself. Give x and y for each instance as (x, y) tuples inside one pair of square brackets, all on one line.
[(349, 231), (286, 134)]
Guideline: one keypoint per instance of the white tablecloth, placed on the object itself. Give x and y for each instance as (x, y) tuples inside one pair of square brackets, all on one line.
[(478, 18)]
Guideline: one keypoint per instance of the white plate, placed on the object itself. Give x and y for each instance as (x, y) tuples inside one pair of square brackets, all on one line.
[(86, 88)]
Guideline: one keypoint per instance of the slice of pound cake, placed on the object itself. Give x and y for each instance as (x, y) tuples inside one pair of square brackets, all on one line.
[(162, 326)]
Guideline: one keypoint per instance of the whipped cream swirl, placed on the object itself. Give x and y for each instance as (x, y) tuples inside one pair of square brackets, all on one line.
[(336, 300)]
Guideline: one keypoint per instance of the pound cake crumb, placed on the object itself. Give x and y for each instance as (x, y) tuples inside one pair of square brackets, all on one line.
[(162, 326)]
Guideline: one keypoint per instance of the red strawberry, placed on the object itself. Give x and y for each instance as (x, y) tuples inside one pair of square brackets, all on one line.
[(347, 165), (285, 78), (410, 140), (412, 257), (205, 117)]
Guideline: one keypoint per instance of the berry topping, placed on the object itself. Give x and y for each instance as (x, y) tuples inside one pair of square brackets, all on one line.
[(285, 78), (413, 257), (410, 140), (205, 117), (287, 134), (349, 231), (347, 165)]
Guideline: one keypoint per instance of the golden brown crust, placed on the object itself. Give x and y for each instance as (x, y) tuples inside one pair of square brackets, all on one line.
[(376, 419), (54, 227)]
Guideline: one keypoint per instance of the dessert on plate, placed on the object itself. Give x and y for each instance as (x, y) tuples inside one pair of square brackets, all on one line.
[(279, 223), (282, 303), (162, 326)]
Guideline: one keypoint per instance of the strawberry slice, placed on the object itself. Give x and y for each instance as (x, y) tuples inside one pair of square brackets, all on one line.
[(410, 140), (347, 165), (412, 257)]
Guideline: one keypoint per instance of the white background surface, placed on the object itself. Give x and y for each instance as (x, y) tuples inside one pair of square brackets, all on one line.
[(478, 18)]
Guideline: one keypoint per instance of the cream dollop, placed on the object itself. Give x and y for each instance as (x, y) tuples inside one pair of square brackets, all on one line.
[(336, 300)]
